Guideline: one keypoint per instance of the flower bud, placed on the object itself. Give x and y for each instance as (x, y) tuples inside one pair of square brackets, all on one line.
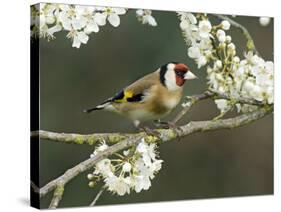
[(218, 64), (220, 33), (222, 38), (264, 21), (90, 176), (236, 59), (231, 46), (225, 25), (228, 38), (92, 184)]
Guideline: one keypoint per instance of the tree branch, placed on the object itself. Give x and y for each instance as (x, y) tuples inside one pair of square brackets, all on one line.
[(88, 164), (133, 139), (57, 195), (73, 138), (250, 41)]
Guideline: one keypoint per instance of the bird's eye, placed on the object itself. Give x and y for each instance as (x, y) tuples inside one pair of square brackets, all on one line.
[(180, 73)]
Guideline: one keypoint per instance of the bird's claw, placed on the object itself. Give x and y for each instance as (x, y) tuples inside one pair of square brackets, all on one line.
[(170, 125), (151, 132)]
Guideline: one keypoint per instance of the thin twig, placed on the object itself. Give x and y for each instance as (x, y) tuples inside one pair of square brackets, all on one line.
[(250, 41), (241, 100), (97, 197), (191, 100)]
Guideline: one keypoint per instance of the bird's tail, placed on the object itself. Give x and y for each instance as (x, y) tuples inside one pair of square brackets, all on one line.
[(99, 107)]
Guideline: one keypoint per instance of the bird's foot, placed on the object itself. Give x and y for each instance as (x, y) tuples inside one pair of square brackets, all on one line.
[(151, 132), (170, 125)]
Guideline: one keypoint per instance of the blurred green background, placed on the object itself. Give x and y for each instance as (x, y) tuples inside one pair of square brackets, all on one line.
[(204, 165)]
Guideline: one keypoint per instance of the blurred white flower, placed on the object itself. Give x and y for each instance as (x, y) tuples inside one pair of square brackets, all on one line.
[(225, 25), (117, 185), (236, 59), (218, 64), (194, 52), (101, 147), (205, 28), (228, 38), (141, 183), (145, 17), (250, 77), (104, 167), (264, 21), (202, 60), (222, 105), (221, 36), (79, 21), (188, 24), (110, 14)]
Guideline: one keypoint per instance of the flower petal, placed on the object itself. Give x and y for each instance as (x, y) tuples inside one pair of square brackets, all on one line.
[(100, 18), (114, 20), (119, 11), (152, 21), (83, 37), (76, 42), (91, 27)]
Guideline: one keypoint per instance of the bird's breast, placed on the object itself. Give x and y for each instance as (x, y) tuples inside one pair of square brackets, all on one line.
[(172, 102), (165, 101)]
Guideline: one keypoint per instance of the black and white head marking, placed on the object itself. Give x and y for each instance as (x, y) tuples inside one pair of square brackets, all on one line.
[(163, 71), (168, 77)]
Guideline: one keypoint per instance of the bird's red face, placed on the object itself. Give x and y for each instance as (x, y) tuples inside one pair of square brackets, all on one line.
[(180, 71), (173, 75)]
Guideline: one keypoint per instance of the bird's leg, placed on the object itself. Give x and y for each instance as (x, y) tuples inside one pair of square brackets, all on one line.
[(147, 130), (169, 125), (157, 123)]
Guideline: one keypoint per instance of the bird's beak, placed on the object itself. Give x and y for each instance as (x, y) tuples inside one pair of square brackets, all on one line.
[(189, 76)]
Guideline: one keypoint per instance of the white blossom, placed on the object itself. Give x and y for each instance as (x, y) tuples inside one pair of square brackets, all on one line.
[(110, 14), (221, 36), (145, 17), (104, 167), (189, 27), (218, 64), (250, 77), (117, 185), (78, 21), (264, 21), (141, 183), (205, 28), (222, 105), (129, 172), (228, 38), (225, 25)]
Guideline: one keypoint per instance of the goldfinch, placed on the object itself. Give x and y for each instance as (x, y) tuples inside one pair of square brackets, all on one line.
[(151, 97)]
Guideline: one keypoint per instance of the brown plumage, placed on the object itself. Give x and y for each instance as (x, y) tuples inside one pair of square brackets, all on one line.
[(152, 96)]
